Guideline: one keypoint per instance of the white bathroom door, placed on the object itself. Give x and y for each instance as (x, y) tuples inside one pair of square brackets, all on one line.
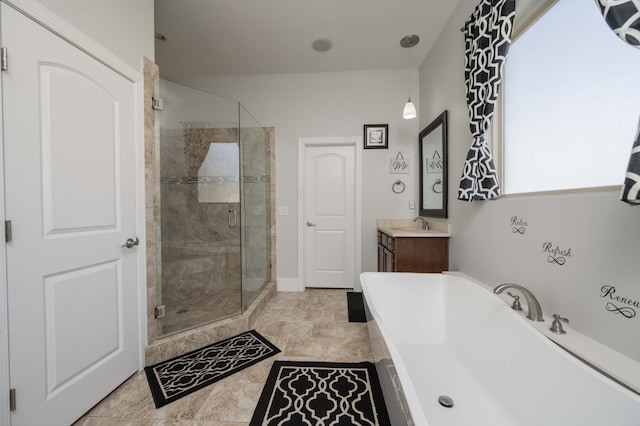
[(69, 133), (329, 216)]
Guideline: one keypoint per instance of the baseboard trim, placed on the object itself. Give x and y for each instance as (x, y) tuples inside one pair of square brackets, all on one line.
[(288, 284)]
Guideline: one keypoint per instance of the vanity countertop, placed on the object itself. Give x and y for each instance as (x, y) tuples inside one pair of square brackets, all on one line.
[(407, 228)]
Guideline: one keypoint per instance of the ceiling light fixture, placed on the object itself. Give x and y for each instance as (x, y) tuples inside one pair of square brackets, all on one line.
[(409, 108), (322, 44)]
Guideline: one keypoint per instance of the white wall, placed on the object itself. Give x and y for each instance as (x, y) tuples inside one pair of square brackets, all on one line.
[(330, 104), (124, 27), (601, 232)]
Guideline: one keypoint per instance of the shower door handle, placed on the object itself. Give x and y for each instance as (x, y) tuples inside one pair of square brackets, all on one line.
[(233, 218)]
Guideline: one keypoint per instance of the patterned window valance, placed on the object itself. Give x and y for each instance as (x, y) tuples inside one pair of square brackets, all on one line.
[(487, 36), (631, 188), (623, 16)]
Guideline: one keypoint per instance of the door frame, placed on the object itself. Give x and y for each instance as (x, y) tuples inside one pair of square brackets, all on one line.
[(356, 143), (45, 18)]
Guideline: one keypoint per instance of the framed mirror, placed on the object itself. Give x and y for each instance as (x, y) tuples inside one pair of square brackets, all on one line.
[(433, 141)]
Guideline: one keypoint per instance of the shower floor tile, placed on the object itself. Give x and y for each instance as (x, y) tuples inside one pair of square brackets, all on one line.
[(310, 325), (185, 314)]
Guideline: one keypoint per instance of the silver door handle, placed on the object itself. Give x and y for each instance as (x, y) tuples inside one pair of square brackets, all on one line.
[(233, 218), (131, 242), (311, 224)]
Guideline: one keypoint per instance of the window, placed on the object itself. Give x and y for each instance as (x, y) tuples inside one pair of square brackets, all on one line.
[(218, 174), (571, 103)]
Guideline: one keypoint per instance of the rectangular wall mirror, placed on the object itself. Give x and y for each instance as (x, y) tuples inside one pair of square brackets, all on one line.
[(433, 142)]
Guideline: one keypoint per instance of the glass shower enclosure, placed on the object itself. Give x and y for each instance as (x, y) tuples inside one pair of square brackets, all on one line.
[(215, 194)]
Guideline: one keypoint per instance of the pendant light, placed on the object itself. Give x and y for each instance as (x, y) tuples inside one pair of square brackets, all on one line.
[(409, 108)]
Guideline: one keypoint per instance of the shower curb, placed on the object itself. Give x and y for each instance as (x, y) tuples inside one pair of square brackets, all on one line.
[(171, 346)]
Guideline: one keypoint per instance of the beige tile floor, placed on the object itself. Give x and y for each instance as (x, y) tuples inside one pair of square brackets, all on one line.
[(310, 325)]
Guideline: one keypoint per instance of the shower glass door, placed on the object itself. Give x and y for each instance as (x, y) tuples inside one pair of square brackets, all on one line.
[(199, 276)]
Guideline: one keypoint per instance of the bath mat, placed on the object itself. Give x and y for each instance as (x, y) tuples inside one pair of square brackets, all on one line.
[(172, 379), (355, 306), (321, 393)]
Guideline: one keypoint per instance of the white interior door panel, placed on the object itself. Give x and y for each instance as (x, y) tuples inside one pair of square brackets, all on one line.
[(329, 214), (69, 150)]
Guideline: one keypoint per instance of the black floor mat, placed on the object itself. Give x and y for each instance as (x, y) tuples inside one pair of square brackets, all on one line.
[(172, 379), (313, 393), (355, 305)]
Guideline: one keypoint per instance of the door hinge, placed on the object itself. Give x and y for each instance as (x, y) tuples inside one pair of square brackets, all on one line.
[(159, 311), (4, 62), (12, 400), (157, 104), (8, 232)]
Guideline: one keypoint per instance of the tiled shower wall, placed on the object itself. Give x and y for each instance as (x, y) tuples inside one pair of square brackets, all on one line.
[(152, 193)]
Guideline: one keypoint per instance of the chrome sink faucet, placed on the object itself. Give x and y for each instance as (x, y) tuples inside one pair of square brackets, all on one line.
[(533, 306), (424, 226)]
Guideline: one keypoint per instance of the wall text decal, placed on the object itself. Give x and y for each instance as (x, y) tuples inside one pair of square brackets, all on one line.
[(628, 311), (519, 225), (555, 254)]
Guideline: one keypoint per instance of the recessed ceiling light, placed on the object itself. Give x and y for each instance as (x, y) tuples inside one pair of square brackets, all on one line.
[(159, 36), (409, 41), (322, 44)]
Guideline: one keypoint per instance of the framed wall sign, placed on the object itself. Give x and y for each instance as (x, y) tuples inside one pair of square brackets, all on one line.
[(399, 165)]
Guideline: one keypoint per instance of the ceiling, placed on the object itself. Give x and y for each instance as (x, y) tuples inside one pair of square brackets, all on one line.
[(239, 37)]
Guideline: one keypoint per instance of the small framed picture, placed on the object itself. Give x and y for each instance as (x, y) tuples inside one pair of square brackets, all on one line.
[(375, 136)]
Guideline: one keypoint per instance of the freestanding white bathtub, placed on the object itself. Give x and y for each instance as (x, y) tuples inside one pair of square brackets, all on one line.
[(440, 334)]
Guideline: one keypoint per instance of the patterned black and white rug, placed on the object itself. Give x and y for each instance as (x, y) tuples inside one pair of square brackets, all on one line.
[(172, 379), (321, 393)]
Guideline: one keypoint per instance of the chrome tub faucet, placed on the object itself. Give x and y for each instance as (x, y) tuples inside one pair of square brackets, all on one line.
[(533, 306)]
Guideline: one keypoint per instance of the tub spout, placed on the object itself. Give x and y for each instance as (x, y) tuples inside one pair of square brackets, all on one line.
[(533, 306)]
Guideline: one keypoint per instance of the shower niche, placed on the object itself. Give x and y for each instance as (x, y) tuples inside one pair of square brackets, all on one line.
[(213, 213)]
